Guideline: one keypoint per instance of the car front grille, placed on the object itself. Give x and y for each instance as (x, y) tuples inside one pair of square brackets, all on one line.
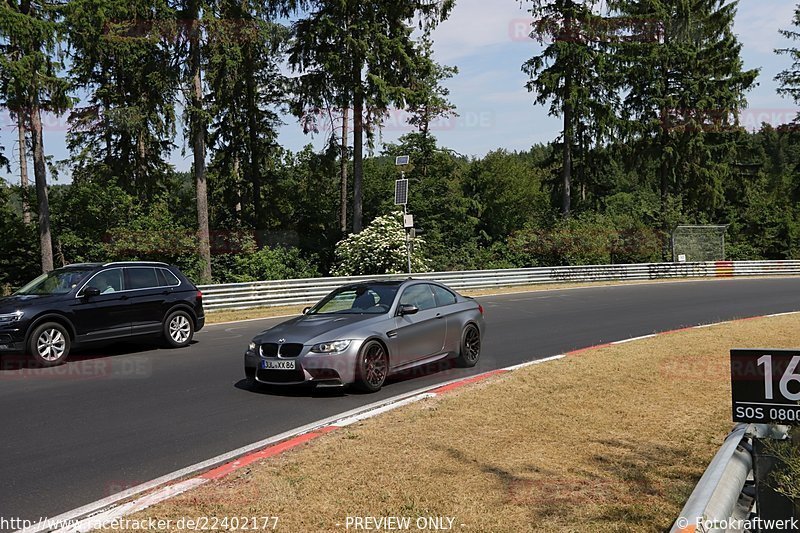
[(290, 350), (272, 349), (280, 376), (269, 349)]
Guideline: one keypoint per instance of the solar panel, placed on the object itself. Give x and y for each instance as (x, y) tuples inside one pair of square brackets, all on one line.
[(401, 192), (401, 160)]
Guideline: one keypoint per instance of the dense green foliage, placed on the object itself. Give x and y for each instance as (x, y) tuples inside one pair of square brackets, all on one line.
[(379, 249), (649, 93)]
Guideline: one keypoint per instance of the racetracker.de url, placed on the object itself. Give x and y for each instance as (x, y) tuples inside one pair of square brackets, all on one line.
[(199, 523)]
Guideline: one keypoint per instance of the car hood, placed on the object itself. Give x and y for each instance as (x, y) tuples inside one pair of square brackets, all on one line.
[(311, 329), (10, 304)]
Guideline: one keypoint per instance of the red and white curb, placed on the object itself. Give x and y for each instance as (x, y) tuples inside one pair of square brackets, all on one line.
[(103, 512)]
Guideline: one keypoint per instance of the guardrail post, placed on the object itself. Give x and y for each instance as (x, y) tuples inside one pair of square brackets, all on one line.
[(771, 505)]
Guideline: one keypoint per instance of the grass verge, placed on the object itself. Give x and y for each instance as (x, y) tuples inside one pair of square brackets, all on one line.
[(611, 439)]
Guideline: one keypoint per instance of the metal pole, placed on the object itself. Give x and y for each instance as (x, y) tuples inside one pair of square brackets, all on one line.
[(723, 245), (408, 240)]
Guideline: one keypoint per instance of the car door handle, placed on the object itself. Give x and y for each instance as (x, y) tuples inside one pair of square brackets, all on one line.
[(439, 315), (123, 297)]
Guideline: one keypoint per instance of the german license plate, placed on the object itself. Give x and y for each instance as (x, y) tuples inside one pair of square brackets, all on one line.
[(268, 364)]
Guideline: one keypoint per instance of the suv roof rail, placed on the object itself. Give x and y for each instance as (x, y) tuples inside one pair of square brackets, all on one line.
[(147, 263), (81, 265)]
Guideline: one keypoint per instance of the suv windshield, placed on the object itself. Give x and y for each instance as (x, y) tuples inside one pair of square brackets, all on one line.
[(359, 299), (56, 282)]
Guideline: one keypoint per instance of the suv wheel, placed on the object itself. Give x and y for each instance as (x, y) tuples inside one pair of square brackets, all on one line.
[(49, 344), (178, 329)]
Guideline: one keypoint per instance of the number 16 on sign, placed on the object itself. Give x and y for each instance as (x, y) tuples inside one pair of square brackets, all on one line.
[(765, 386)]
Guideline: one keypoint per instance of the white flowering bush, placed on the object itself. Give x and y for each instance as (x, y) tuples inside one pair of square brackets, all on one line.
[(379, 249)]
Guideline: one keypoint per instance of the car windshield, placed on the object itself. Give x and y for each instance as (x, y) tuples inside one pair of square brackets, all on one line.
[(357, 299), (55, 282)]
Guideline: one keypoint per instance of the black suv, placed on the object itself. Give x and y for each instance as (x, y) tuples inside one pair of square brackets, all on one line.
[(91, 302)]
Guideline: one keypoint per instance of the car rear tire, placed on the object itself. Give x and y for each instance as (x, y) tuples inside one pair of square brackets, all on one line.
[(470, 346), (178, 329), (49, 344), (372, 367)]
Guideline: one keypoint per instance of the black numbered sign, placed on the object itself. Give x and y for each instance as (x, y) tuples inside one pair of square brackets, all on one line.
[(765, 386)]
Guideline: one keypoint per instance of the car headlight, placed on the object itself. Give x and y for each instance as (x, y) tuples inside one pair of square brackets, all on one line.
[(252, 347), (331, 347), (11, 317)]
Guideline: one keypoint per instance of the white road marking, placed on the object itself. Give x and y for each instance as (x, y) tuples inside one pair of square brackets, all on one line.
[(104, 518), (537, 362), (385, 409), (635, 339)]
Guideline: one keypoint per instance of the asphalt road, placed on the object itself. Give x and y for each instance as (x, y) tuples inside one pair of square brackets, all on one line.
[(124, 415)]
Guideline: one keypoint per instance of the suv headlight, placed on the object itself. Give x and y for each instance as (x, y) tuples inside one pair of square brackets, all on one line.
[(10, 318), (331, 347)]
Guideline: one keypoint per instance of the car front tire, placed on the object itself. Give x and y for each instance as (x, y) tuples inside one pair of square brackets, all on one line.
[(49, 344), (372, 367), (470, 347), (178, 329)]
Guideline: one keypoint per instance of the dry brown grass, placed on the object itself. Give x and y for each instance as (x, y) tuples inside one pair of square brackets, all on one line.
[(217, 317), (612, 439)]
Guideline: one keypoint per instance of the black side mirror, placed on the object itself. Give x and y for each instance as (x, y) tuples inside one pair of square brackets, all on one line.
[(306, 310), (91, 292), (408, 309)]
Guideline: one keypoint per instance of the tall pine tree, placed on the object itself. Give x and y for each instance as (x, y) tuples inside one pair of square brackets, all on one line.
[(246, 91), (684, 86), (572, 74), (30, 32), (122, 57), (789, 79), (360, 54)]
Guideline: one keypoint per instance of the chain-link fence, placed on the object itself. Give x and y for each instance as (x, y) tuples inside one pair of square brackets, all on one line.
[(698, 243)]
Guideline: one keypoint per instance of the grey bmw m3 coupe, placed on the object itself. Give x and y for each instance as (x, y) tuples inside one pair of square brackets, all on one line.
[(362, 333)]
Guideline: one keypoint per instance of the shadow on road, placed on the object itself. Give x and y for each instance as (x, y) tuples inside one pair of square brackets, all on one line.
[(444, 370), (12, 363)]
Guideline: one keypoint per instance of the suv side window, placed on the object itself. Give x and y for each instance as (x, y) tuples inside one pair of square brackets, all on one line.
[(142, 278), (167, 278), (443, 296), (420, 296), (107, 281)]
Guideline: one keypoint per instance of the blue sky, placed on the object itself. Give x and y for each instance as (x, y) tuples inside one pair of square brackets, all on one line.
[(483, 39)]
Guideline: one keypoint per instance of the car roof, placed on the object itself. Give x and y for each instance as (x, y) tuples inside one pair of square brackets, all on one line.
[(391, 282)]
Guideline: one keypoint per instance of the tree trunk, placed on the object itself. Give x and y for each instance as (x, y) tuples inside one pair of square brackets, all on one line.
[(23, 167), (566, 156), (198, 129), (344, 159), (358, 153), (566, 159), (237, 190), (141, 185), (40, 175), (254, 147), (666, 252)]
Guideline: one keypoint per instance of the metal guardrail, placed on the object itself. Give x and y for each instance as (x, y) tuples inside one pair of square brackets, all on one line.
[(718, 501), (715, 497), (308, 291)]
